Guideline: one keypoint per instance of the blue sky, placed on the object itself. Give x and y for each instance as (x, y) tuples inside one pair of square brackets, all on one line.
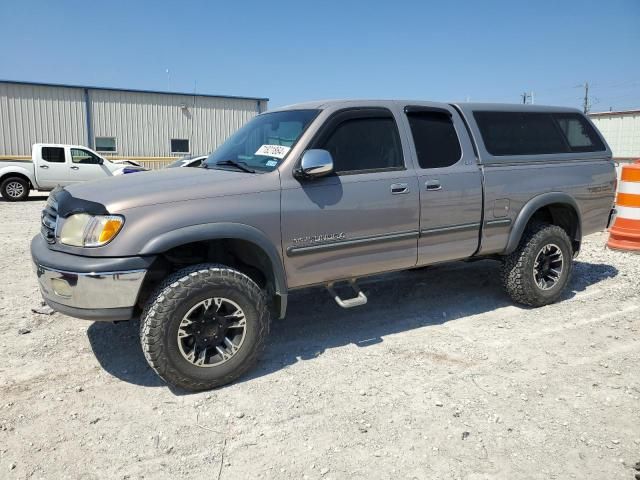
[(291, 51)]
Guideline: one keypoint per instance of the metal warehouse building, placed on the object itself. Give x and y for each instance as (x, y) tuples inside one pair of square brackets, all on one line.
[(622, 132), (148, 126)]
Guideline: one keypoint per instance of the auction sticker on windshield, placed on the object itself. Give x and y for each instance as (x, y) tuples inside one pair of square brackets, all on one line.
[(276, 151)]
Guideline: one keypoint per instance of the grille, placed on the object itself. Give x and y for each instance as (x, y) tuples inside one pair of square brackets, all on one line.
[(49, 220)]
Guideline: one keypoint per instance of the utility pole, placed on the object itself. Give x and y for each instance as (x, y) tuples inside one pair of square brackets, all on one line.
[(524, 98), (586, 105)]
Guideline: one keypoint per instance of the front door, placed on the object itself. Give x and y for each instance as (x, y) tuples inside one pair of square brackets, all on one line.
[(86, 165), (362, 219), (450, 185)]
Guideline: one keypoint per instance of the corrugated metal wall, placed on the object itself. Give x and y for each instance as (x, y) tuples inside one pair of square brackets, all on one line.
[(33, 113), (621, 131), (143, 123)]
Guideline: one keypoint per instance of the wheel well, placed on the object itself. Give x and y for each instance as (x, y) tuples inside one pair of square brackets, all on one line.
[(562, 215), (15, 174), (242, 255)]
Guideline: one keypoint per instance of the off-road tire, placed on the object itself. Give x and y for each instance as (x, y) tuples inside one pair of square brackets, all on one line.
[(171, 300), (6, 185), (517, 268)]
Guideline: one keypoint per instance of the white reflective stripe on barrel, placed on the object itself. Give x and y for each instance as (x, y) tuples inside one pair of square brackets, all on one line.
[(629, 187), (631, 213)]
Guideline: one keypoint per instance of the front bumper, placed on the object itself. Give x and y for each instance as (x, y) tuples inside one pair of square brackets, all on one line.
[(92, 296), (97, 294)]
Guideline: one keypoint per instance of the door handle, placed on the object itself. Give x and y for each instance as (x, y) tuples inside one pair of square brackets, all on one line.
[(433, 185), (399, 188), (44, 166), (74, 168)]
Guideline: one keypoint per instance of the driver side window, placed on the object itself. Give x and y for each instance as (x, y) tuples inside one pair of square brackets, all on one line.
[(364, 141), (84, 157)]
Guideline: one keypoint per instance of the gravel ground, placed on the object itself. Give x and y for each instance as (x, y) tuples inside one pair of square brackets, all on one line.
[(438, 377)]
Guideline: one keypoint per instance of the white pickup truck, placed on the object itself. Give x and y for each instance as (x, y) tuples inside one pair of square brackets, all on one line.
[(52, 165)]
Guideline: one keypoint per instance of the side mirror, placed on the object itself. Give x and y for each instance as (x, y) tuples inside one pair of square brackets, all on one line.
[(315, 163)]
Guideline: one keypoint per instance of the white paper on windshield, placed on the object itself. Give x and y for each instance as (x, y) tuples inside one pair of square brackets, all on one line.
[(275, 151)]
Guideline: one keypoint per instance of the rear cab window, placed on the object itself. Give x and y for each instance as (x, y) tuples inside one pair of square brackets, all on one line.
[(435, 138), (53, 154), (536, 133)]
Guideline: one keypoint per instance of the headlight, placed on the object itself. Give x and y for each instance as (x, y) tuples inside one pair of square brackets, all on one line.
[(83, 230)]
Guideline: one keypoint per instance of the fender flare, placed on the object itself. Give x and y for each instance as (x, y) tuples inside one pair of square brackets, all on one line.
[(531, 207), (214, 231), (23, 172)]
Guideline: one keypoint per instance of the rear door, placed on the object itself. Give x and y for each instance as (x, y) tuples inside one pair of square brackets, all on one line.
[(52, 167), (450, 183), (86, 165), (362, 219)]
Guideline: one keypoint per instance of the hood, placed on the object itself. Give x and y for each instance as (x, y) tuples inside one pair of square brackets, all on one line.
[(123, 192)]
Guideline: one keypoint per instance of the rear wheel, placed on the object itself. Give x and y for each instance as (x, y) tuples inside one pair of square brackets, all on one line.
[(204, 327), (14, 189), (536, 273)]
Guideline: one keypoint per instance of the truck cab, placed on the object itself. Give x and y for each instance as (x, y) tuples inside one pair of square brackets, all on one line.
[(67, 164)]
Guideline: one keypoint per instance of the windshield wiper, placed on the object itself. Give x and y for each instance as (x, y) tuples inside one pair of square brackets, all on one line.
[(239, 165)]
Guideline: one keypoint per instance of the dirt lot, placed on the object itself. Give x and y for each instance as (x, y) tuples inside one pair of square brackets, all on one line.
[(438, 377)]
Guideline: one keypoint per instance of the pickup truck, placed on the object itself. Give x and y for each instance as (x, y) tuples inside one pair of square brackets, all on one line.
[(322, 193), (52, 165)]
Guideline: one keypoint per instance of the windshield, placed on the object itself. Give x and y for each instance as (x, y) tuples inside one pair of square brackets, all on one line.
[(264, 141)]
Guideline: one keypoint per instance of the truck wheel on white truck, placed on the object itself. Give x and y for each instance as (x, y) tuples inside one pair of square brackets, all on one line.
[(14, 188)]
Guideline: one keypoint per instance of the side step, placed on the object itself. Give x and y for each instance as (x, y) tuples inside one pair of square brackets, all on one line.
[(357, 301)]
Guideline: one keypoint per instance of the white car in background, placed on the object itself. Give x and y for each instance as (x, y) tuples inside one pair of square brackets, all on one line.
[(54, 164), (188, 161)]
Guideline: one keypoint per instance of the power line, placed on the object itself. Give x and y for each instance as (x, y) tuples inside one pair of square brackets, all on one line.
[(592, 85)]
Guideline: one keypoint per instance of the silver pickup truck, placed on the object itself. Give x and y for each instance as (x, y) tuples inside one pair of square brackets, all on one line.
[(322, 193)]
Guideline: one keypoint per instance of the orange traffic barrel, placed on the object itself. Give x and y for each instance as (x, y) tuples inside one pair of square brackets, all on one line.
[(625, 232)]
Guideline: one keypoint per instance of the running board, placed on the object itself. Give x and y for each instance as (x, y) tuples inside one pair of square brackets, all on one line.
[(357, 301)]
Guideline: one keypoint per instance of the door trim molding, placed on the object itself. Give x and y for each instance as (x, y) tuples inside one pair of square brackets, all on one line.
[(463, 227), (293, 251), (502, 222)]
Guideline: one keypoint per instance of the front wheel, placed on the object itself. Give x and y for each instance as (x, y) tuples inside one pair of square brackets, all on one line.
[(14, 189), (204, 327), (536, 273)]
